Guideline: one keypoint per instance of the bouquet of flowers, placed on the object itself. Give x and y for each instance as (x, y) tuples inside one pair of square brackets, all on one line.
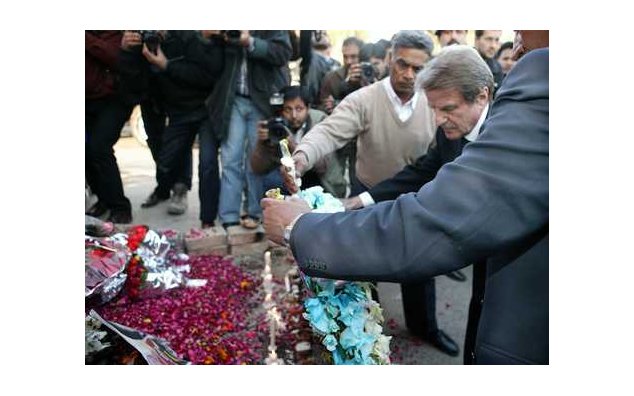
[(140, 261), (343, 313)]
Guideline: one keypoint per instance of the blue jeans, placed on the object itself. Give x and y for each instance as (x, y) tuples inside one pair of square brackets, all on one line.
[(235, 152)]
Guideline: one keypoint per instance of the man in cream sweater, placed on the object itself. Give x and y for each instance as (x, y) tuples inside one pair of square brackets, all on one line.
[(394, 126)]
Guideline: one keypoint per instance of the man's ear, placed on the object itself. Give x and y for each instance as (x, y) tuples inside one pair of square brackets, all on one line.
[(484, 96)]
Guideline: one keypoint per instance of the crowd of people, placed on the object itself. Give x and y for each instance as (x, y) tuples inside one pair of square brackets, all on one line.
[(437, 154)]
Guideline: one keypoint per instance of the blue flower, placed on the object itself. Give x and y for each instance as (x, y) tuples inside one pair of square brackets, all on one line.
[(316, 315), (355, 291), (330, 342), (353, 315)]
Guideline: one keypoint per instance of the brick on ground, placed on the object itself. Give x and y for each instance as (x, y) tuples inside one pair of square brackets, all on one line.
[(213, 242), (250, 249), (238, 235)]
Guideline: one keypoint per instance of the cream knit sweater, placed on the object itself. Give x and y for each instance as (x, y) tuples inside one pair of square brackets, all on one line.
[(385, 143)]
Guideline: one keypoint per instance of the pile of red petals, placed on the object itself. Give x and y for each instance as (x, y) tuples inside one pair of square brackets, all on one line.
[(212, 324)]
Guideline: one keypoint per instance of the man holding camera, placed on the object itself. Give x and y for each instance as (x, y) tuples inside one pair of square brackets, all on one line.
[(180, 70), (297, 119), (255, 66), (335, 86)]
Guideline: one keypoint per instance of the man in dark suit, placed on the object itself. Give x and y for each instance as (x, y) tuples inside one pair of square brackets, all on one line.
[(489, 205), (459, 89)]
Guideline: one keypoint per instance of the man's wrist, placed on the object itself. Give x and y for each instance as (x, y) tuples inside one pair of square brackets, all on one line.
[(289, 229), (366, 199)]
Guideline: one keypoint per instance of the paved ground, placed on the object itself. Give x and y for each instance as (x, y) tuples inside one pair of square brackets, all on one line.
[(137, 170)]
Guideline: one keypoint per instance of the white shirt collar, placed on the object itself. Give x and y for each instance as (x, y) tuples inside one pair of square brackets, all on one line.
[(471, 136), (404, 110)]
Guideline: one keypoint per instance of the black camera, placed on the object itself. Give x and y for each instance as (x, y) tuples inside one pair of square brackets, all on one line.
[(152, 39), (367, 71), (278, 129)]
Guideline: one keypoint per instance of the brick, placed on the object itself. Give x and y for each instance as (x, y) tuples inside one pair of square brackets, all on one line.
[(210, 250), (214, 237), (250, 249), (238, 235)]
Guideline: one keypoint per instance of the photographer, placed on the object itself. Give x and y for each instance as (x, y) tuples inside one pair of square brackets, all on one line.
[(296, 120), (179, 70), (255, 66)]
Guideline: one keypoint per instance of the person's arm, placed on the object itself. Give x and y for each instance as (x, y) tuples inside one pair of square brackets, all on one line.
[(411, 178), (490, 199), (275, 49), (265, 156), (344, 124), (327, 93)]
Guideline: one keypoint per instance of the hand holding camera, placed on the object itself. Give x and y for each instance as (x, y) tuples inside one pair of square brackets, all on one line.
[(368, 73), (263, 131), (237, 37), (157, 58), (131, 39), (354, 74)]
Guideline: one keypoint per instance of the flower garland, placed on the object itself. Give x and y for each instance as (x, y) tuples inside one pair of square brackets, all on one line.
[(343, 313), (135, 270)]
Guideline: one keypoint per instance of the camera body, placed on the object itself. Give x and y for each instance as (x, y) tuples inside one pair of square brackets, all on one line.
[(367, 72), (152, 39), (278, 129)]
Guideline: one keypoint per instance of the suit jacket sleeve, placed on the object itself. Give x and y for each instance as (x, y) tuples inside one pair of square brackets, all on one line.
[(491, 198), (411, 178)]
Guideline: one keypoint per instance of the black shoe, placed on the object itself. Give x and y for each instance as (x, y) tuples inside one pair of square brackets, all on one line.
[(120, 217), (444, 343), (153, 200), (457, 276), (231, 224), (97, 210)]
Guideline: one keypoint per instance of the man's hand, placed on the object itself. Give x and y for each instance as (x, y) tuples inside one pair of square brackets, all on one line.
[(301, 163), (354, 74), (352, 203), (243, 41), (130, 39), (329, 104), (263, 131), (159, 59), (279, 214)]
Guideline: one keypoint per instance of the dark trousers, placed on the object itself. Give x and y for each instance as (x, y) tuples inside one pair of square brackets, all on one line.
[(348, 153), (154, 123), (419, 298), (175, 153), (208, 173), (105, 118)]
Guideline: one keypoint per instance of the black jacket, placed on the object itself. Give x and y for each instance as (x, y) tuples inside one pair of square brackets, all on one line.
[(192, 70), (267, 73)]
